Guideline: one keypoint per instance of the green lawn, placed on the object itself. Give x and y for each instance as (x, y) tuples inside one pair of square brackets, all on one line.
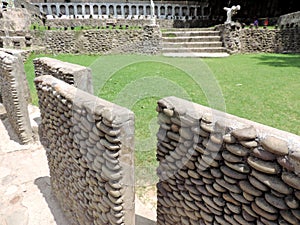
[(261, 87)]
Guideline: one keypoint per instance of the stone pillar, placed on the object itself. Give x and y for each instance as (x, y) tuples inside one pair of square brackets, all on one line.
[(122, 11), (115, 10), (57, 9), (75, 9), (49, 9), (158, 11), (15, 94), (91, 9), (67, 10), (130, 10)]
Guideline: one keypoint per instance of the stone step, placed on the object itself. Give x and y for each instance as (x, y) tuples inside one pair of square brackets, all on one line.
[(189, 29), (189, 33), (197, 55), (192, 44), (191, 39), (189, 50)]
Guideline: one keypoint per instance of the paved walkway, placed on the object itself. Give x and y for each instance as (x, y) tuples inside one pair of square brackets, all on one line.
[(25, 191)]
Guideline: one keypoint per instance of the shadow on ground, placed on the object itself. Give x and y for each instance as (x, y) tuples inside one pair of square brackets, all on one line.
[(280, 60), (3, 116), (43, 184)]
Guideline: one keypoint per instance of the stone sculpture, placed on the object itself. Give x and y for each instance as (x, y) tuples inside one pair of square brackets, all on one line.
[(230, 12), (152, 8)]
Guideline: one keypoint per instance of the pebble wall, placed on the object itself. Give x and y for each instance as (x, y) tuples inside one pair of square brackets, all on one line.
[(89, 146), (76, 75), (215, 168), (61, 23), (15, 94), (100, 41), (252, 40)]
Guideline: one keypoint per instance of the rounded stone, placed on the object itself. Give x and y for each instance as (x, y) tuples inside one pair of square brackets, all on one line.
[(248, 133), (275, 145), (263, 166), (263, 154), (289, 217), (248, 188), (263, 213), (273, 182), (292, 202), (237, 149), (263, 204), (291, 179), (275, 201)]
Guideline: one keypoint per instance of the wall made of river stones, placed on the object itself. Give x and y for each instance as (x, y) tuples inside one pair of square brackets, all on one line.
[(255, 40), (89, 146), (100, 41), (76, 75), (215, 168), (15, 94), (78, 22)]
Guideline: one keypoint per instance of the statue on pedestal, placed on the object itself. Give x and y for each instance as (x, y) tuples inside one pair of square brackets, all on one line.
[(230, 12)]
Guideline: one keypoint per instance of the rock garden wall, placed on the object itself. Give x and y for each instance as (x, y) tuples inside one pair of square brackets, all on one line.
[(89, 146), (215, 168), (100, 41), (73, 74), (78, 22), (252, 40), (15, 94)]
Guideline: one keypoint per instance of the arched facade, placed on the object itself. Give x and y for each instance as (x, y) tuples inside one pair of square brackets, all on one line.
[(125, 10)]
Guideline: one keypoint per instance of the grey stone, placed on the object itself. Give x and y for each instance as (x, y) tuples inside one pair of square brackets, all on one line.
[(245, 134), (275, 145)]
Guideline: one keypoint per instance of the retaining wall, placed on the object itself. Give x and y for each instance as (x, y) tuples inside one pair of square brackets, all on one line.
[(15, 94), (61, 23), (78, 76), (252, 40), (89, 146), (163, 23), (99, 41), (289, 20), (215, 168)]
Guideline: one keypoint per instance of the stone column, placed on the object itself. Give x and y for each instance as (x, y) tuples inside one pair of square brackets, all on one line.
[(91, 9), (158, 11), (115, 10), (67, 10), (75, 9), (49, 9), (122, 11)]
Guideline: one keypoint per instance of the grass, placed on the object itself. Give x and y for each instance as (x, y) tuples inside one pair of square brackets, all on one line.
[(260, 87), (83, 60)]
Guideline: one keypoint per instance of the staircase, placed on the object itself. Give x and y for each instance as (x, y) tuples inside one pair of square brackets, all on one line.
[(199, 42)]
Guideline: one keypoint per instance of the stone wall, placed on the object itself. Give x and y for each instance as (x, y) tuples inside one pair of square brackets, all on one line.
[(99, 41), (252, 40), (78, 76), (215, 168), (89, 146), (78, 22), (15, 94), (289, 20), (163, 23)]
